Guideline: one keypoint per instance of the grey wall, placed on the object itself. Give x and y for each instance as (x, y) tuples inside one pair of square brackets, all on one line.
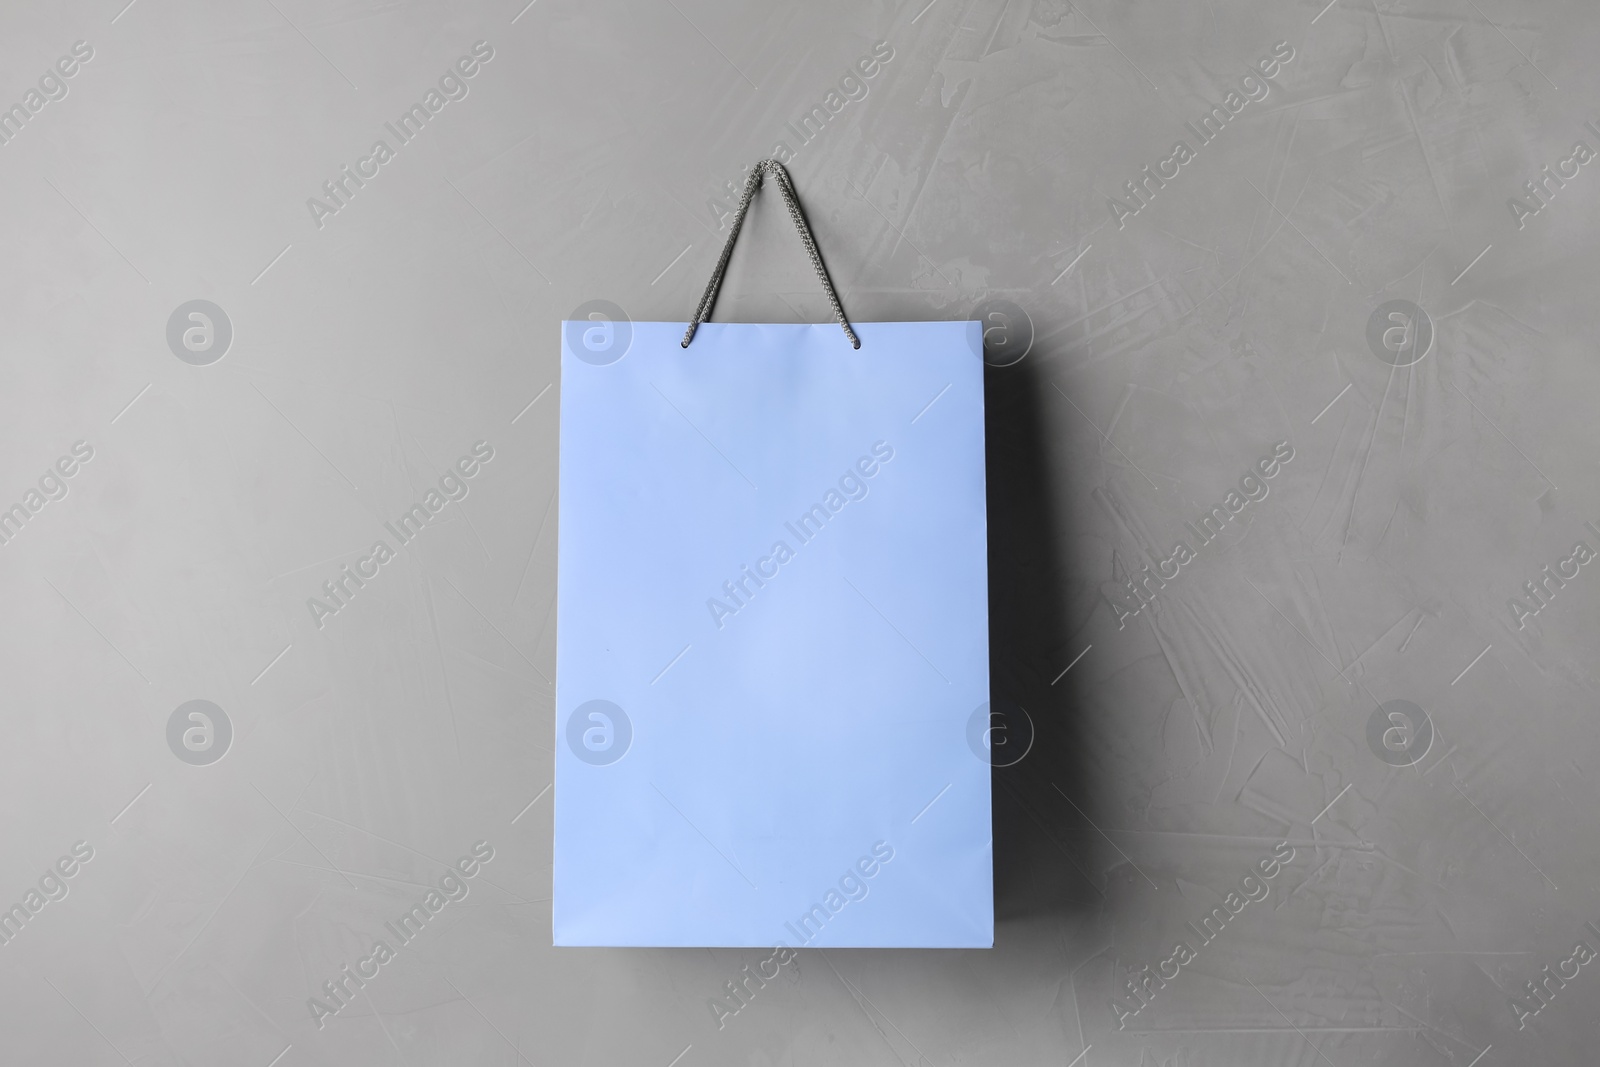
[(1440, 852)]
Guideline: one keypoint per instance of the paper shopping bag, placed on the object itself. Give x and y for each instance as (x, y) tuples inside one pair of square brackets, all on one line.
[(772, 637)]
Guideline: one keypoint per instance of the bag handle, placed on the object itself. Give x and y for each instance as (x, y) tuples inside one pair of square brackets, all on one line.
[(702, 313)]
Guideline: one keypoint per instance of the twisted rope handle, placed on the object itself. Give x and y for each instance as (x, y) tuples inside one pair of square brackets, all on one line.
[(702, 313)]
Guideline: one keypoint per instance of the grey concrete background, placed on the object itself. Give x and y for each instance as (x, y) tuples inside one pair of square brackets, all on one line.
[(1441, 860)]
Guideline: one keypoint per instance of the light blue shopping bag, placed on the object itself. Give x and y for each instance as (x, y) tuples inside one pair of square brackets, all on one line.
[(772, 651)]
